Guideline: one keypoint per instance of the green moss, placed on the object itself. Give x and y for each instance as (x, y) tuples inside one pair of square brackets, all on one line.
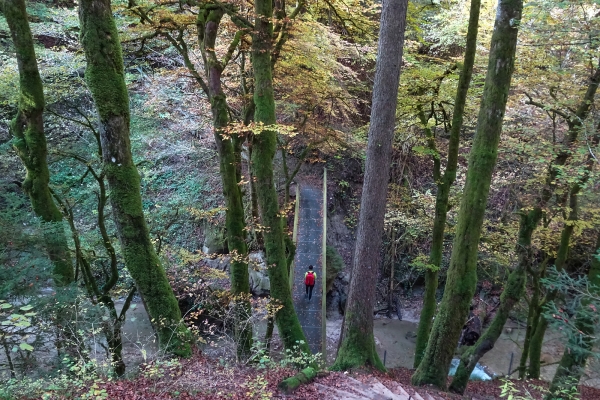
[(30, 142), (357, 350), (513, 290), (235, 226), (443, 187), (335, 264), (292, 383), (427, 314), (263, 150), (537, 338), (126, 188), (104, 76), (462, 273)]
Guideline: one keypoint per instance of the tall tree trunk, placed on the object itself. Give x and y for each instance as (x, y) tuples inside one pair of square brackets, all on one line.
[(462, 274), (515, 286), (208, 23), (443, 187), (534, 216), (532, 319), (580, 345), (105, 78), (357, 344), (258, 234), (264, 146), (513, 290), (537, 339), (30, 143)]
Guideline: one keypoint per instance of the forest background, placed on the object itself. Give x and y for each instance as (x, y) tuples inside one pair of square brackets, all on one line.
[(323, 59)]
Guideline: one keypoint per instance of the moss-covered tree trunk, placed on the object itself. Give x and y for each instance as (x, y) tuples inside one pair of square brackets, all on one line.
[(264, 146), (357, 344), (443, 187), (513, 290), (258, 234), (535, 215), (532, 319), (580, 345), (515, 286), (30, 142), (537, 339), (105, 78), (462, 274), (208, 24)]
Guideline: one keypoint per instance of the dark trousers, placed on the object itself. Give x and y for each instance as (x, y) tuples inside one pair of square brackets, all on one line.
[(309, 289)]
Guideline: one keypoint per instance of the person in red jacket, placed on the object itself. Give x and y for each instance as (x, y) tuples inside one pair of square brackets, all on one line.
[(310, 277)]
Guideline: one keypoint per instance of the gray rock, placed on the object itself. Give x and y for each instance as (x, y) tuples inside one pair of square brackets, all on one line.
[(345, 277), (260, 285), (220, 262), (411, 336), (215, 241)]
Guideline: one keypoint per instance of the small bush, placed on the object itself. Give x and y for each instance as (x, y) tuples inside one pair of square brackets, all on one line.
[(335, 264)]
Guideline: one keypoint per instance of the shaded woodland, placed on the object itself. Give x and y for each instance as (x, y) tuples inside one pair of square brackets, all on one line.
[(151, 158)]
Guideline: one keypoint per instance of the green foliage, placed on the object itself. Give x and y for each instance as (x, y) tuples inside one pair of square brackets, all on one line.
[(257, 388), (335, 265), (580, 296), (14, 322), (77, 380), (421, 264), (511, 392), (322, 89), (160, 368), (294, 357)]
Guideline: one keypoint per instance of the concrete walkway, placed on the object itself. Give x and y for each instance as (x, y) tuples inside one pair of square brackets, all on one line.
[(309, 252)]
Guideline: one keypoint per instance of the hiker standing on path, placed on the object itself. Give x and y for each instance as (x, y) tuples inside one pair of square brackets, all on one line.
[(309, 280)]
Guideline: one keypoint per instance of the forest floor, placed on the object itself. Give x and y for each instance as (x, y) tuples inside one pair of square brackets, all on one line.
[(201, 377), (212, 374)]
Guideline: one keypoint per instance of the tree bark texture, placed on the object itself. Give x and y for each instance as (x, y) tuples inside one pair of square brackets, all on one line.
[(462, 274), (513, 290), (537, 337), (515, 286), (292, 383), (580, 345), (357, 344), (105, 78), (443, 186), (264, 146), (208, 24), (30, 143)]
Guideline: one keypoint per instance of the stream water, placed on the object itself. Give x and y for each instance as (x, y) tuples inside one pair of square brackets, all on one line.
[(394, 339)]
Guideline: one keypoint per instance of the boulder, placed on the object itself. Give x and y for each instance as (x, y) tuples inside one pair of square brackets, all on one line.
[(260, 285), (215, 241), (336, 297), (219, 262)]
